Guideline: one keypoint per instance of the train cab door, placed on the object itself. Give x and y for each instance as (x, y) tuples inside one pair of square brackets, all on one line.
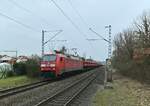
[(62, 64)]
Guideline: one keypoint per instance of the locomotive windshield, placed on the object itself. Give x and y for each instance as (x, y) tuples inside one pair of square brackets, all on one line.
[(49, 58)]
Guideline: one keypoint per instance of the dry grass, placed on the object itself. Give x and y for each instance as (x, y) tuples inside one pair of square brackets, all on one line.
[(15, 81), (126, 92)]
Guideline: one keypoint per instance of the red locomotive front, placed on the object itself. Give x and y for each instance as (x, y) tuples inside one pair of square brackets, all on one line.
[(53, 65), (48, 65)]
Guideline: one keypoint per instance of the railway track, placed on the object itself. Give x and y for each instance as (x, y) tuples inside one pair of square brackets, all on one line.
[(66, 96), (13, 91)]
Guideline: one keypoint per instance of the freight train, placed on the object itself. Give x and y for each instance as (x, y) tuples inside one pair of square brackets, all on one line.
[(54, 65)]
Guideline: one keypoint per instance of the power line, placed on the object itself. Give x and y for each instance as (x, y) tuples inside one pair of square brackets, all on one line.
[(81, 18), (77, 12), (99, 35), (53, 36), (58, 40), (15, 51), (43, 39), (18, 22), (68, 18), (92, 39), (19, 6), (27, 10), (53, 43), (86, 23)]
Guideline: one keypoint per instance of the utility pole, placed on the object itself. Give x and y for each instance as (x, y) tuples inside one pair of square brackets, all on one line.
[(108, 61), (109, 43), (109, 39), (43, 36), (42, 43), (108, 71)]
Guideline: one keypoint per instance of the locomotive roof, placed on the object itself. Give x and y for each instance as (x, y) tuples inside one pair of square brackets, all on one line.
[(69, 56)]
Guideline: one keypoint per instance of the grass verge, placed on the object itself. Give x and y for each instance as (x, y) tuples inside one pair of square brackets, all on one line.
[(15, 81), (125, 92)]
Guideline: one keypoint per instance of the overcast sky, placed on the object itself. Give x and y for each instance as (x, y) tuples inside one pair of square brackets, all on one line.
[(43, 14)]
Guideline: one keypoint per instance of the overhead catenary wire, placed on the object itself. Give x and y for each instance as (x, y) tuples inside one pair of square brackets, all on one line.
[(81, 18), (28, 11), (67, 17), (53, 43), (99, 35), (19, 6), (53, 37), (18, 22), (77, 12)]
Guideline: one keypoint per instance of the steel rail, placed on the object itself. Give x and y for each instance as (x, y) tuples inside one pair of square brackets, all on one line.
[(47, 100), (22, 86), (79, 92), (16, 90)]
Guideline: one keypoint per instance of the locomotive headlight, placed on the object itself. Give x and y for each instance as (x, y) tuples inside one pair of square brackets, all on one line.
[(52, 65), (43, 65)]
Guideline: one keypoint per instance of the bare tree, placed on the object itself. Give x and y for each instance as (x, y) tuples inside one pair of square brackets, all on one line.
[(142, 29), (127, 42), (124, 44)]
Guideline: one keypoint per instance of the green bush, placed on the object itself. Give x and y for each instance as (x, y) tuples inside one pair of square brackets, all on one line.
[(132, 69), (32, 68), (19, 68), (10, 74), (147, 61)]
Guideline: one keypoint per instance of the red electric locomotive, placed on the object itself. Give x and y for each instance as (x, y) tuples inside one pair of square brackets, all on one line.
[(53, 65)]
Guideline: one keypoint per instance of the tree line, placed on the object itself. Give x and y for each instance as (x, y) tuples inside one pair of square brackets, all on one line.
[(131, 55)]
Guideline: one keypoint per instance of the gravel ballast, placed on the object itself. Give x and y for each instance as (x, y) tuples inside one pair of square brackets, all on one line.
[(86, 97), (32, 97)]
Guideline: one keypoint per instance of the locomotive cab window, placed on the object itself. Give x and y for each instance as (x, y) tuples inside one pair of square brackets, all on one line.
[(49, 58), (61, 59)]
